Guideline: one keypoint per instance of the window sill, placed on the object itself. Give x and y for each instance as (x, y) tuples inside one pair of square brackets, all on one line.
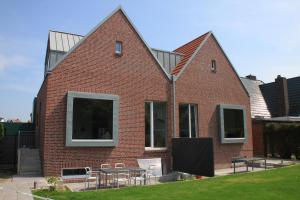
[(156, 149), (91, 143), (233, 140)]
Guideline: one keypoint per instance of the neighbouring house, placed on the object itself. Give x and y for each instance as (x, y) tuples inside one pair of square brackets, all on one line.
[(275, 112), (17, 120), (108, 97)]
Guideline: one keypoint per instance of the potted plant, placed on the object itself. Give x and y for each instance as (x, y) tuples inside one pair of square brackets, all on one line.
[(52, 181)]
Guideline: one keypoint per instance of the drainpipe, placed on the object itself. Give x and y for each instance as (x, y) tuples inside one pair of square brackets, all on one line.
[(174, 106)]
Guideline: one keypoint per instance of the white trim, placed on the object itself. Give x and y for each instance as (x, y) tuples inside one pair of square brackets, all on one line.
[(190, 119), (92, 140), (151, 125), (174, 106), (152, 147), (96, 27), (190, 122), (156, 148), (73, 177), (194, 54)]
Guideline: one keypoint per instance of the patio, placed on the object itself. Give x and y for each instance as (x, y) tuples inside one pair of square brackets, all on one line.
[(176, 176), (258, 166)]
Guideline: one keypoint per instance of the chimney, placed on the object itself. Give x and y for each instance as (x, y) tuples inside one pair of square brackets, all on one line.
[(283, 99), (251, 77)]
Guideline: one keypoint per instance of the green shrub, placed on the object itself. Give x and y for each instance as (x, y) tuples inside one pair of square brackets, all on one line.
[(1, 131), (52, 181)]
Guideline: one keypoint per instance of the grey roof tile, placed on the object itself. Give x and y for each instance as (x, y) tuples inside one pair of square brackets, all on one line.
[(258, 104)]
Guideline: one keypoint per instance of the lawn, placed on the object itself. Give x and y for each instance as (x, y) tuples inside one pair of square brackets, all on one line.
[(283, 183)]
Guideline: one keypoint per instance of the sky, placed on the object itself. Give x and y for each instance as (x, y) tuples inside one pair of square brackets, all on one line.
[(260, 37)]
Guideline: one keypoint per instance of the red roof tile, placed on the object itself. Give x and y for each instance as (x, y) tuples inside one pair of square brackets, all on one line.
[(188, 50)]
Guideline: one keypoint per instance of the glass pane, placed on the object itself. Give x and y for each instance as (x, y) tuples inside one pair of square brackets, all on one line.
[(92, 119), (233, 123), (147, 125), (184, 120), (118, 47), (160, 124), (194, 121)]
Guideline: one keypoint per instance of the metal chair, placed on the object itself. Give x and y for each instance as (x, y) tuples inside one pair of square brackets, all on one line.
[(106, 166), (140, 178), (90, 177), (123, 177), (150, 173)]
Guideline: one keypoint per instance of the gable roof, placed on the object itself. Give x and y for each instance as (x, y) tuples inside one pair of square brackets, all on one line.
[(99, 25), (192, 48), (188, 50)]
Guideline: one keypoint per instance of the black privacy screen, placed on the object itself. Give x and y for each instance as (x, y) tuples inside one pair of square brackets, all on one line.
[(193, 156)]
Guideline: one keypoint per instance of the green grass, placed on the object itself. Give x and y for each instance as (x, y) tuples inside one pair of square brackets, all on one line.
[(283, 183)]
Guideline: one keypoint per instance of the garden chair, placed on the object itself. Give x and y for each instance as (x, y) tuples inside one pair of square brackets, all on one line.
[(109, 176), (123, 177), (91, 176), (140, 178)]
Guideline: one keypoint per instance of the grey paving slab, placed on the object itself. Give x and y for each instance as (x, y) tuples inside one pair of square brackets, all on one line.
[(16, 187)]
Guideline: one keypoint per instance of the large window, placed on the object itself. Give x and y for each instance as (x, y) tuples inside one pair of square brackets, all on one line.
[(188, 121), (92, 119), (233, 124), (155, 125)]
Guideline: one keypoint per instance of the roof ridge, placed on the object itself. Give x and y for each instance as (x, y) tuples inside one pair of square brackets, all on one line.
[(189, 49), (192, 41), (66, 33), (119, 8)]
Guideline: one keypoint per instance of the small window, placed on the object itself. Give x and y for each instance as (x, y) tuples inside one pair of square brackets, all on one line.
[(233, 124), (118, 48), (155, 124), (213, 66), (188, 121)]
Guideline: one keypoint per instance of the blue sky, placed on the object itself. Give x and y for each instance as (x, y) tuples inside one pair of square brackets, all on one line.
[(260, 37)]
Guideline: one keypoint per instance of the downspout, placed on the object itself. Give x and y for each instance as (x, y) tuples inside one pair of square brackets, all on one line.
[(174, 106)]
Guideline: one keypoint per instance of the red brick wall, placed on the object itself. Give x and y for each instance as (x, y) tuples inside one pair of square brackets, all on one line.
[(93, 67), (41, 114), (199, 85), (258, 138)]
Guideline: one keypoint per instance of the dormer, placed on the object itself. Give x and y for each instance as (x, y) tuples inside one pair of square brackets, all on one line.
[(59, 43)]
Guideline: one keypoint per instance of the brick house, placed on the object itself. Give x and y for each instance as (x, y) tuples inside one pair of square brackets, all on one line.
[(108, 97)]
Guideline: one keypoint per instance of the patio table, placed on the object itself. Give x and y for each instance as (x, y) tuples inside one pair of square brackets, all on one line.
[(116, 171), (246, 160)]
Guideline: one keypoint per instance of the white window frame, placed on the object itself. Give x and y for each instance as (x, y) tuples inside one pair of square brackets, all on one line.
[(190, 119), (152, 130), (118, 51)]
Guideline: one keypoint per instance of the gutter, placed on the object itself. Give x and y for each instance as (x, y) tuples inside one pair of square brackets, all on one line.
[(174, 105)]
